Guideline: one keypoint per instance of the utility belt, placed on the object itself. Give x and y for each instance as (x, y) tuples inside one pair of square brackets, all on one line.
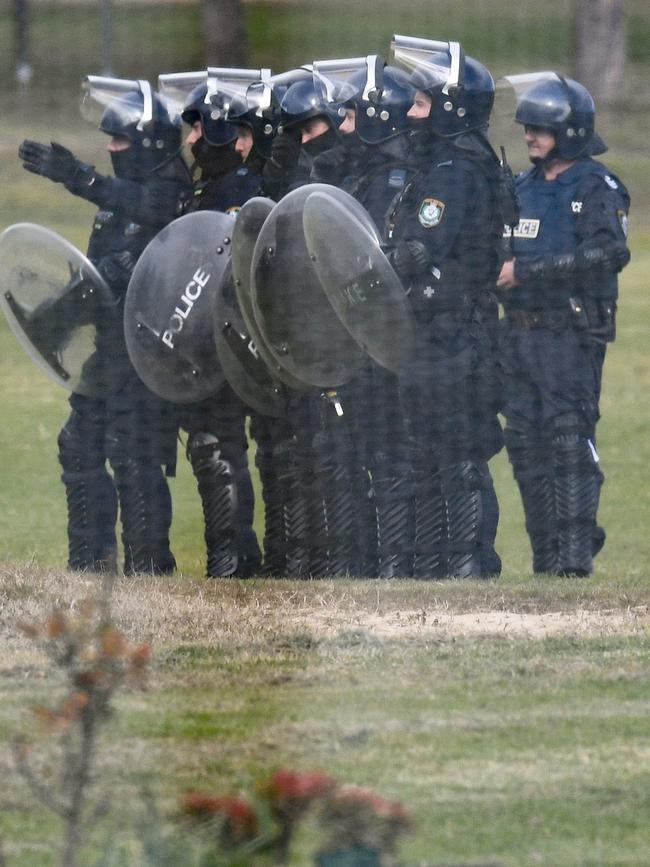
[(596, 316), (541, 318)]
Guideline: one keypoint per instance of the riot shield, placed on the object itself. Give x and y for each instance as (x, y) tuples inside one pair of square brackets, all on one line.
[(169, 303), (57, 305), (359, 281), (298, 324), (248, 224), (240, 360)]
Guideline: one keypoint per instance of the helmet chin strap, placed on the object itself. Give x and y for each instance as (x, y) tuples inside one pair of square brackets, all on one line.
[(548, 160)]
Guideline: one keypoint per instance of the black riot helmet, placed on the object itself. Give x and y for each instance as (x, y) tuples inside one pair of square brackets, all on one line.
[(383, 102), (339, 83), (461, 89), (133, 110), (257, 108), (563, 106), (300, 103), (201, 106)]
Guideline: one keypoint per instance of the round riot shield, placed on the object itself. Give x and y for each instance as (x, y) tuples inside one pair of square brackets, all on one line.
[(359, 281), (240, 360), (57, 305), (298, 324), (248, 223), (168, 308)]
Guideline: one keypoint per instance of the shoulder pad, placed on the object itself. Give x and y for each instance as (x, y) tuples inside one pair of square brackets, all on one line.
[(595, 174)]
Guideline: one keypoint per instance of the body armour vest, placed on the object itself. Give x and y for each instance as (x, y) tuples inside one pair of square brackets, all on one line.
[(548, 226)]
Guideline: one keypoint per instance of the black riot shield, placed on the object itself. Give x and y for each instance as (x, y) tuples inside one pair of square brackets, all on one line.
[(359, 281), (57, 305), (248, 223), (240, 360), (297, 322), (168, 309)]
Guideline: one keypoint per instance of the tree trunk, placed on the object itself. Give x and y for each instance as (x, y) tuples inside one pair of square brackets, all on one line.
[(225, 33), (601, 49)]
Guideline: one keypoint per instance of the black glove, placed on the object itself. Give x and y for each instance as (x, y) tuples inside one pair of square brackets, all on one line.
[(116, 269), (52, 161), (285, 150), (409, 258)]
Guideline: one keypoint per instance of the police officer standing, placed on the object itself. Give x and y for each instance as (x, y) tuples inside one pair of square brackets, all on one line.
[(216, 427), (445, 233), (129, 426), (559, 291), (373, 163)]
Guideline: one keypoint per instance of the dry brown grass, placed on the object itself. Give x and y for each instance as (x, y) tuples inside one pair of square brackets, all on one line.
[(178, 611)]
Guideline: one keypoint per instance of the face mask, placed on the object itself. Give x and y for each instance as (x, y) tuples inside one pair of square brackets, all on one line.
[(214, 161), (324, 142), (352, 144), (125, 164)]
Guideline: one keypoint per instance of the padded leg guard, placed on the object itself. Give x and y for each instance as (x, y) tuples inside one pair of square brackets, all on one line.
[(295, 515), (534, 473), (577, 491), (472, 519), (275, 541), (146, 515), (393, 489), (226, 495), (91, 499), (341, 483), (430, 544)]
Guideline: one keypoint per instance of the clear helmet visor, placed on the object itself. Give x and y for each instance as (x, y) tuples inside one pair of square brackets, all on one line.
[(511, 92), (176, 87), (228, 89), (430, 63), (339, 83), (281, 82), (129, 100)]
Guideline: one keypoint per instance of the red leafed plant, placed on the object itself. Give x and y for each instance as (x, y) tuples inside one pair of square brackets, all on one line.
[(97, 660), (232, 816)]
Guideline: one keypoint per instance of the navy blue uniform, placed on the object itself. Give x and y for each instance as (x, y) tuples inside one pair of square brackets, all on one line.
[(130, 427), (381, 172), (227, 192), (307, 462), (445, 231), (568, 248), (217, 444)]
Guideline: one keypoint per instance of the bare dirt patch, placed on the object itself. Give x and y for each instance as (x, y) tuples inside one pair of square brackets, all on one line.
[(172, 612)]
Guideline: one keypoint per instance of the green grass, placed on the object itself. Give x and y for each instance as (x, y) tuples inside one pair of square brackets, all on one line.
[(519, 748), (504, 748)]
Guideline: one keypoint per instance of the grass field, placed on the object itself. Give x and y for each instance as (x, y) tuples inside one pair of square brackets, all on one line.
[(511, 717)]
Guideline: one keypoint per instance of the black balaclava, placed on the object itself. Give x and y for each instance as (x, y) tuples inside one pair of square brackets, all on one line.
[(321, 143), (215, 161)]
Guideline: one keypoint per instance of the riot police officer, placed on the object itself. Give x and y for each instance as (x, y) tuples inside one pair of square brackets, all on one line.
[(305, 453), (373, 163), (305, 131), (130, 427), (216, 427), (445, 230), (559, 291)]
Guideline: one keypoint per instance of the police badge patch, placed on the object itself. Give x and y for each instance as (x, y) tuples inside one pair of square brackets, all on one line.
[(430, 213)]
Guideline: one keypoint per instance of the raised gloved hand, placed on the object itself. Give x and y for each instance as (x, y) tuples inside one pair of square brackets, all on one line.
[(53, 161), (285, 149)]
